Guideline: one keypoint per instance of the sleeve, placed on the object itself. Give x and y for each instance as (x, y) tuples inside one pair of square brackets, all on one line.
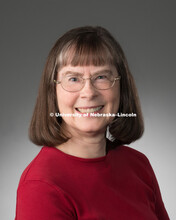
[(40, 200), (159, 205)]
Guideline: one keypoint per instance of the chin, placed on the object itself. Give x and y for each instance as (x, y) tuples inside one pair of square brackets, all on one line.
[(92, 127)]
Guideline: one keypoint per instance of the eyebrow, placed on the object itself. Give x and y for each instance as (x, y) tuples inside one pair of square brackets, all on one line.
[(94, 73)]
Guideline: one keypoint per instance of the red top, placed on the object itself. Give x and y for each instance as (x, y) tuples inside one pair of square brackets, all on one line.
[(118, 186)]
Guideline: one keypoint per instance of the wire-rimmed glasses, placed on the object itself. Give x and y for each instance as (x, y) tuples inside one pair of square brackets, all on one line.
[(75, 82)]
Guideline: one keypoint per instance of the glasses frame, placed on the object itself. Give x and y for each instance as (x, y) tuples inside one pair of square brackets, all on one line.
[(115, 79)]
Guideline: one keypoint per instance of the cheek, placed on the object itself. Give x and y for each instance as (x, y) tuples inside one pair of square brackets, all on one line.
[(65, 101), (114, 100)]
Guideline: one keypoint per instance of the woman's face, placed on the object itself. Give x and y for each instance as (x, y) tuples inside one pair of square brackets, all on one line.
[(88, 99)]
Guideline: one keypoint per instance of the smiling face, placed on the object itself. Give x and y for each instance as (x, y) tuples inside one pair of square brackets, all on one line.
[(87, 100)]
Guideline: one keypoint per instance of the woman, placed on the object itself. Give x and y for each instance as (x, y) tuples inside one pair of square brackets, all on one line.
[(84, 171)]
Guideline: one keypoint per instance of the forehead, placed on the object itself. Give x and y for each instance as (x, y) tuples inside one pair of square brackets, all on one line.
[(91, 69)]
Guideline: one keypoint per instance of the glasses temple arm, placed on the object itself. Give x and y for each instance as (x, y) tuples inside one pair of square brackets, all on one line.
[(117, 78), (58, 82)]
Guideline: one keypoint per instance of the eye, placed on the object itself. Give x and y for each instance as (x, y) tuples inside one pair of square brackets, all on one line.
[(73, 79), (101, 77)]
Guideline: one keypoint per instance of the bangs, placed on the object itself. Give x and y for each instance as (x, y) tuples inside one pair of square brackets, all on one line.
[(88, 50)]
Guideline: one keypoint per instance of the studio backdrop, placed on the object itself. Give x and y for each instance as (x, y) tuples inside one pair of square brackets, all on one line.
[(146, 32)]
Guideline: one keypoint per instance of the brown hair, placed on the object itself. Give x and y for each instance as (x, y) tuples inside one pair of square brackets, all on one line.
[(85, 46)]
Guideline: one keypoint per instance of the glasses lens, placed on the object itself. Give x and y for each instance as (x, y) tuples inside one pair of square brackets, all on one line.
[(103, 81), (72, 83)]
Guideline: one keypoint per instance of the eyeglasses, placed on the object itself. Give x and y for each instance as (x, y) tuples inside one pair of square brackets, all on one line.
[(74, 82)]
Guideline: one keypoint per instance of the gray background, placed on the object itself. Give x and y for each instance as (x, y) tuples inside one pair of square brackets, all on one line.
[(146, 31)]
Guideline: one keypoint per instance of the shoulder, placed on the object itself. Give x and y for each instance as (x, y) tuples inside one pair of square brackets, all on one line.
[(133, 153), (43, 166), (130, 157), (128, 151), (132, 162)]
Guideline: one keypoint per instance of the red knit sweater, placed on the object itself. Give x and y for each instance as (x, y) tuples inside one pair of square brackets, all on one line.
[(118, 186)]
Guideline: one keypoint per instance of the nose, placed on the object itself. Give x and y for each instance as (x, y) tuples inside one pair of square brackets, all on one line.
[(88, 90)]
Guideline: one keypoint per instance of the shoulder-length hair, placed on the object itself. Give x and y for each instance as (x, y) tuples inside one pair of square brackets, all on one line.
[(85, 46)]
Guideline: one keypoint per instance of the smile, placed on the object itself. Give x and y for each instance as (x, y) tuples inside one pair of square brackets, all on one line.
[(89, 110)]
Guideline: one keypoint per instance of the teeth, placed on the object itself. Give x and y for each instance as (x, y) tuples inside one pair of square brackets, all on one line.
[(89, 110)]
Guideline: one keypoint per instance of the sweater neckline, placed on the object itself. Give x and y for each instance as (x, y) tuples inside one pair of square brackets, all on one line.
[(86, 160)]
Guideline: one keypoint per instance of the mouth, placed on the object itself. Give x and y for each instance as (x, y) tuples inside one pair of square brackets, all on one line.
[(89, 109)]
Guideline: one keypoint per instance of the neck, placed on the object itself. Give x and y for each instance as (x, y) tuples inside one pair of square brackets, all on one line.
[(85, 146)]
